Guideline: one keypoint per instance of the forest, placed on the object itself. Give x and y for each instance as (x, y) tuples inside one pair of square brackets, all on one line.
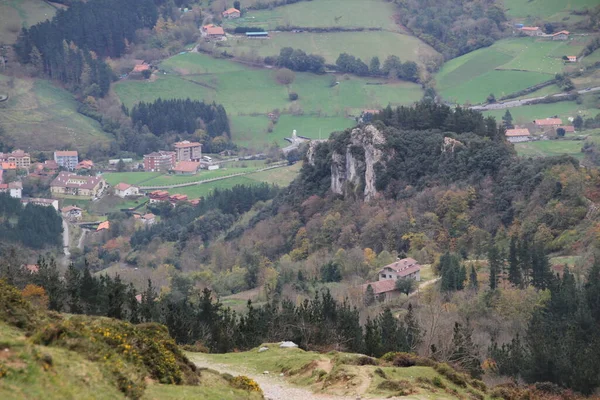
[(33, 226), (453, 27), (71, 47), (181, 116)]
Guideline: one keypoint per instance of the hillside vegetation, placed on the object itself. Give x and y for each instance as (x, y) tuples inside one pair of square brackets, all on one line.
[(54, 356)]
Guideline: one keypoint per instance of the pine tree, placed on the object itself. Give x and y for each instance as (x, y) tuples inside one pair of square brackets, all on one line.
[(507, 120), (369, 296), (36, 59), (393, 334), (414, 335), (514, 271), (464, 351), (372, 338), (116, 291), (73, 289), (148, 309), (494, 263), (133, 305), (541, 276), (473, 283)]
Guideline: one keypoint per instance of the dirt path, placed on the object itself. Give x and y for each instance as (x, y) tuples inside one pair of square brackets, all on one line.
[(274, 386)]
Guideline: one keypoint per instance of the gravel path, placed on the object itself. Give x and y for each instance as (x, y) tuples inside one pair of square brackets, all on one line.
[(274, 387)]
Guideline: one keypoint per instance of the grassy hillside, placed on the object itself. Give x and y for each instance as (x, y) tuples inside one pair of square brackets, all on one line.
[(354, 375), (505, 67), (551, 10), (253, 93), (324, 13), (329, 45), (54, 356), (41, 116), (15, 14)]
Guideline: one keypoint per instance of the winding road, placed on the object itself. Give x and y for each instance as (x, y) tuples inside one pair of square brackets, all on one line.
[(524, 102)]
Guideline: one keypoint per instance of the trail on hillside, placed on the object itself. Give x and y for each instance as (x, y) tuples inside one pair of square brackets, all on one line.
[(274, 387)]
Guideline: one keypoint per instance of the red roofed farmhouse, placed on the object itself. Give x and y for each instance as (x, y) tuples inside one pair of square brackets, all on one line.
[(77, 185), (548, 123), (124, 189), (231, 13), (517, 135), (385, 287)]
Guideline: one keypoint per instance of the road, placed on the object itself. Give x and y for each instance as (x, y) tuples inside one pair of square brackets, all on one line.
[(518, 103), (273, 386), (66, 239)]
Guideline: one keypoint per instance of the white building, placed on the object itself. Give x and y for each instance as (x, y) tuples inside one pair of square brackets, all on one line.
[(405, 268), (14, 189), (124, 189), (518, 135)]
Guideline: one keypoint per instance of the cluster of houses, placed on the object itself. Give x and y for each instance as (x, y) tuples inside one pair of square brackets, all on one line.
[(217, 33), (160, 196), (541, 126), (187, 159), (385, 286), (538, 32)]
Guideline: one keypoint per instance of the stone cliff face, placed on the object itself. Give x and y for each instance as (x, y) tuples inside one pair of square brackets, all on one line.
[(350, 169)]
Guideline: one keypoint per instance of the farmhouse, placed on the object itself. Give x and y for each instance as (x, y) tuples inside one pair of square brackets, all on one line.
[(548, 123), (148, 219), (214, 32), (231, 13), (405, 268), (518, 135), (568, 128), (188, 151), (186, 167), (383, 290), (14, 189), (77, 185), (159, 161), (532, 31), (66, 159), (124, 189), (17, 157), (572, 59), (41, 202), (562, 35), (176, 198), (103, 226), (71, 212)]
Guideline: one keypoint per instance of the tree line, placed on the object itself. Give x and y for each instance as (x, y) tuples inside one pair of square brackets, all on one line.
[(35, 227), (181, 116), (297, 60), (392, 67)]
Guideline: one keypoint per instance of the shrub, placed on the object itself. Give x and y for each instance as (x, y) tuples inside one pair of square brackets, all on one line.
[(479, 385), (14, 309), (404, 360), (475, 394), (451, 374), (380, 372), (293, 96), (401, 387), (438, 382), (245, 383)]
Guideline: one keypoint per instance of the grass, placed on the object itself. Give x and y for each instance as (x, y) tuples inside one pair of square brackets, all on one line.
[(132, 178), (16, 14), (544, 8), (204, 189), (165, 180), (278, 176), (548, 148), (324, 13), (329, 45), (506, 67), (247, 93), (214, 387), (40, 116)]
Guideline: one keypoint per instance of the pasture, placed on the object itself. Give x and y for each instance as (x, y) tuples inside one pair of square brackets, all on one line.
[(132, 178), (548, 148), (249, 93), (506, 67), (363, 45), (41, 116), (546, 9), (16, 14), (323, 14)]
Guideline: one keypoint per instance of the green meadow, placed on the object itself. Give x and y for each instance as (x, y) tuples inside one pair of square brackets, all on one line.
[(364, 45), (16, 14), (548, 148), (506, 67), (322, 14), (548, 9), (249, 94), (39, 115)]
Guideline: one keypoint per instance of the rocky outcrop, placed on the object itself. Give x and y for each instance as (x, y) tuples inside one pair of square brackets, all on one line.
[(355, 164)]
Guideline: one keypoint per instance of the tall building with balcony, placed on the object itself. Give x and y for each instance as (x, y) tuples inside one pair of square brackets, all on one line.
[(159, 161), (188, 151), (66, 159)]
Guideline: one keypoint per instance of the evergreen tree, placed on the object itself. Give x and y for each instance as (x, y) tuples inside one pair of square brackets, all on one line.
[(116, 296), (48, 277), (369, 296), (495, 265), (393, 333), (541, 276), (148, 308), (414, 334), (133, 305), (73, 289), (514, 269), (464, 351), (372, 338), (473, 283), (507, 120)]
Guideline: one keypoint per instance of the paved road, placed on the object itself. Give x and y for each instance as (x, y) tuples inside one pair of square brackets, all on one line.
[(66, 239), (524, 102)]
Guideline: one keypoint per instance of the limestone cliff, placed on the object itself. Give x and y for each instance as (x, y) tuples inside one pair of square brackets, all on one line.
[(353, 166)]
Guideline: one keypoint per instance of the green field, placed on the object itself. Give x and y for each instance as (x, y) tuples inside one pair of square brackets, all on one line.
[(133, 178), (506, 67), (253, 92), (329, 45), (548, 9), (547, 148), (41, 116), (563, 109), (324, 13), (16, 14)]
